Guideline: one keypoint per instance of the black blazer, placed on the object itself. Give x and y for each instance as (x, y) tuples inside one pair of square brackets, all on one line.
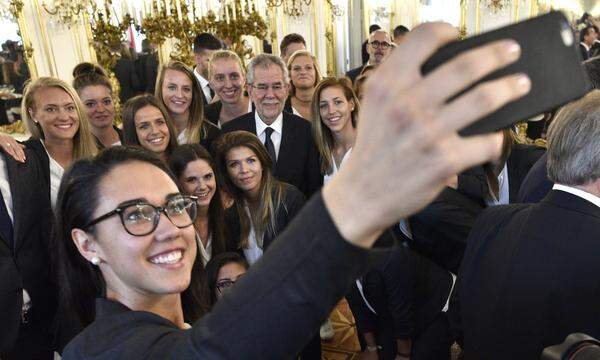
[(406, 291), (353, 73), (298, 159), (530, 277), (119, 133), (585, 54), (41, 156), (127, 76), (277, 307), (293, 201), (536, 184), (210, 132), (212, 112), (520, 161), (440, 230), (24, 260)]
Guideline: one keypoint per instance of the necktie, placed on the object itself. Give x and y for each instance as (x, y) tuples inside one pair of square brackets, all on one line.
[(6, 226), (269, 144), (211, 92)]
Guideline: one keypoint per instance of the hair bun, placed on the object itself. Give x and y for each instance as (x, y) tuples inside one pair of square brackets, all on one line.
[(87, 68)]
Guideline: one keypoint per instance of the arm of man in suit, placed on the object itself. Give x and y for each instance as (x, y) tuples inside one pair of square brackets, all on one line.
[(399, 292), (312, 171)]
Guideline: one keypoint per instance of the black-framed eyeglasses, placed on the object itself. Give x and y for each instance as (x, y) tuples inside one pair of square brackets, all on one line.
[(226, 284), (380, 44), (140, 218)]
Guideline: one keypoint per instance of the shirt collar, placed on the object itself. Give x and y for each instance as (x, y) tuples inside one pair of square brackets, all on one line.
[(277, 125), (578, 192), (203, 81), (587, 48)]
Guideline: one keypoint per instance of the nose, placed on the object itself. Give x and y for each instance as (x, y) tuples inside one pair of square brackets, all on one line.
[(244, 168), (179, 92), (165, 230)]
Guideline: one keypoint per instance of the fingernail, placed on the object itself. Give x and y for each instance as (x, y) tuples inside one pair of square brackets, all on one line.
[(512, 47), (523, 82)]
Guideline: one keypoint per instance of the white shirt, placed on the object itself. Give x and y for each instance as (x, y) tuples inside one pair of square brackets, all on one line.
[(327, 177), (578, 192), (204, 85), (182, 137), (253, 252), (249, 111), (56, 174), (277, 127), (205, 252), (504, 190), (587, 48)]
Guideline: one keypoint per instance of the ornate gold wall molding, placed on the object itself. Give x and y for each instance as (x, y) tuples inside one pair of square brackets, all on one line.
[(48, 52)]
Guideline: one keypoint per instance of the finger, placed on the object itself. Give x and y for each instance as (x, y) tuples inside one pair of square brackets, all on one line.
[(482, 100), (463, 153), (403, 66), (468, 67)]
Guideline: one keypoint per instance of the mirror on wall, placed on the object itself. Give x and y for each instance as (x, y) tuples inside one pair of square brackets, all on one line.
[(14, 71)]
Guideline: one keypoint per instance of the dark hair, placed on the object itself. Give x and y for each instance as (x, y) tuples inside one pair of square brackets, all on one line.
[(131, 107), (592, 66), (81, 282), (400, 30), (374, 27), (181, 157), (584, 32), (289, 39), (211, 273), (206, 41), (87, 74), (271, 190)]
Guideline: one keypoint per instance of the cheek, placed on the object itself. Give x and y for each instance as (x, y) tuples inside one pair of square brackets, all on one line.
[(189, 187)]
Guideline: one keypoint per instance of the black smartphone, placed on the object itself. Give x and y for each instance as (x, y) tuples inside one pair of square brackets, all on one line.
[(551, 58)]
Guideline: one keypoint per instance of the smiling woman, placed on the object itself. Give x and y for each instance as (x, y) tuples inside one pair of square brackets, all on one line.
[(147, 124)]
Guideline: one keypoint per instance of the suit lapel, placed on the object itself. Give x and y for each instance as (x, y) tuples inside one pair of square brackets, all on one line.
[(286, 146)]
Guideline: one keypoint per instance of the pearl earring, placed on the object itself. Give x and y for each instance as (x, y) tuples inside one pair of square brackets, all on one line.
[(95, 260)]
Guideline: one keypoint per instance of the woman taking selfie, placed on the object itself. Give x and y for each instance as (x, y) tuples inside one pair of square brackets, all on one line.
[(227, 78), (304, 76), (179, 92), (147, 124), (194, 168), (335, 107), (96, 93)]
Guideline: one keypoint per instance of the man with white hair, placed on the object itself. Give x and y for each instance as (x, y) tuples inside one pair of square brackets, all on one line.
[(287, 137)]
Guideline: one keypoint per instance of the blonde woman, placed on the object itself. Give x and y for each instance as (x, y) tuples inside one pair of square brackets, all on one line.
[(227, 78), (304, 76), (59, 127), (179, 92)]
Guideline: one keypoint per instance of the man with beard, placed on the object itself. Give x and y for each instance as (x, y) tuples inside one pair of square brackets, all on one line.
[(379, 47)]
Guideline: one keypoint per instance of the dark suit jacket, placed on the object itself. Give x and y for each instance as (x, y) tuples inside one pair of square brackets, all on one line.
[(584, 53), (25, 260), (536, 184), (519, 163), (298, 159), (212, 112), (41, 156), (293, 200), (277, 307), (530, 277), (130, 84), (440, 230), (353, 73), (406, 291)]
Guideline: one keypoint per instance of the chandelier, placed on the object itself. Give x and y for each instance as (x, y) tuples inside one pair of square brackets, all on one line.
[(293, 8), (9, 10), (66, 12), (497, 5)]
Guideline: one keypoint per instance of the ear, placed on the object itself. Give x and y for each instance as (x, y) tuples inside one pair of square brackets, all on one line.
[(352, 105), (30, 111), (86, 245)]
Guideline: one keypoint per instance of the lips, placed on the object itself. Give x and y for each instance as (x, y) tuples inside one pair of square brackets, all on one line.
[(168, 259), (156, 141), (64, 126)]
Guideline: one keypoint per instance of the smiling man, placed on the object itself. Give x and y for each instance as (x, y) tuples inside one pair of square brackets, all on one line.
[(287, 137)]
